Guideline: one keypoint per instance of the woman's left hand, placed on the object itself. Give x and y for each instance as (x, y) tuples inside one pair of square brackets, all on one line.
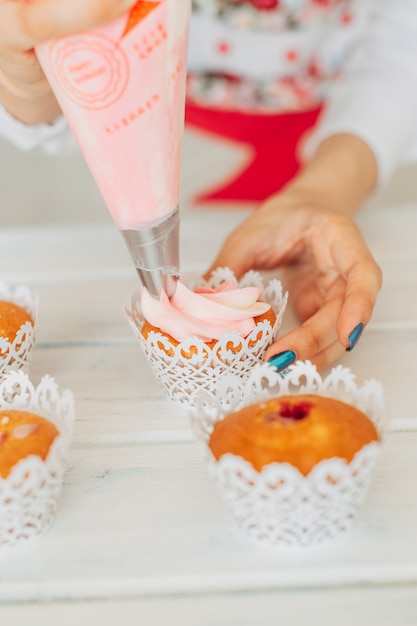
[(331, 276)]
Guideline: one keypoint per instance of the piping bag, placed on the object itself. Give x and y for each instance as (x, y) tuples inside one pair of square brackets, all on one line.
[(121, 88)]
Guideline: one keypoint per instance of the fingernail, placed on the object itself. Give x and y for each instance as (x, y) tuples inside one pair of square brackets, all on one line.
[(282, 360), (354, 336)]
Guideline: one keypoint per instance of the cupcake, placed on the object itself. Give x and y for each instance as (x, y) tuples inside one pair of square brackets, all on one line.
[(17, 328), (207, 330), (35, 431), (23, 434), (293, 459), (301, 430)]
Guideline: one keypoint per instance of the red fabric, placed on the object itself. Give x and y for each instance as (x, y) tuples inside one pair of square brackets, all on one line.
[(271, 142)]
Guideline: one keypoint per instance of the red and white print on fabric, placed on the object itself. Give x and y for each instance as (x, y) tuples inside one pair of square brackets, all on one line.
[(259, 72), (270, 54)]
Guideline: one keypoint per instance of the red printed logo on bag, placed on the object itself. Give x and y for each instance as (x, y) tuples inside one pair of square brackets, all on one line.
[(91, 69)]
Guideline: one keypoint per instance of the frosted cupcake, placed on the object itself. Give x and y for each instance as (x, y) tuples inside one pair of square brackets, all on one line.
[(207, 330), (18, 310), (293, 456), (35, 432)]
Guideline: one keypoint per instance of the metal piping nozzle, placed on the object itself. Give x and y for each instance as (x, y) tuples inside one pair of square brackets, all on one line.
[(155, 253)]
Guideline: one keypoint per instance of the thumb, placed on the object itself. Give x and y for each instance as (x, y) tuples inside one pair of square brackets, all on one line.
[(232, 255)]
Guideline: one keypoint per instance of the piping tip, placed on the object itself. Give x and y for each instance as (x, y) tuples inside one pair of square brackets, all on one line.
[(158, 280), (155, 253)]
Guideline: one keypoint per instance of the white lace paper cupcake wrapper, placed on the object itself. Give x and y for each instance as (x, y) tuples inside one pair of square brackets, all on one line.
[(279, 506), (184, 370), (17, 354), (29, 495)]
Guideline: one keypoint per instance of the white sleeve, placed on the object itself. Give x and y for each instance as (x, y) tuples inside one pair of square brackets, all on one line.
[(50, 137), (377, 99)]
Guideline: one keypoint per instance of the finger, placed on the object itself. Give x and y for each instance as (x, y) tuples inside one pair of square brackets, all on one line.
[(306, 296), (327, 356), (233, 255), (25, 25), (364, 282), (313, 337)]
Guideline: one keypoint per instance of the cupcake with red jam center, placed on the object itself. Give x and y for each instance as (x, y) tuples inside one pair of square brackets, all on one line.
[(294, 455), (301, 430)]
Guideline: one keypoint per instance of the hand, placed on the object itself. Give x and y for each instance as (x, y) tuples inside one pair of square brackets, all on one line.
[(331, 276), (24, 90)]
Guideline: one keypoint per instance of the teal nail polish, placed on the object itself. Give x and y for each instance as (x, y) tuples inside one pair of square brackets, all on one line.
[(355, 336), (282, 360)]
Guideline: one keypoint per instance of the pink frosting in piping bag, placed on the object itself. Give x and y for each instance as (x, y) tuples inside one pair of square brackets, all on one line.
[(206, 313), (122, 89)]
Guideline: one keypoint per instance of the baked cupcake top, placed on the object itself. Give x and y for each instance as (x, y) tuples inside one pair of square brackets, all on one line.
[(301, 430), (206, 313), (12, 318), (23, 434)]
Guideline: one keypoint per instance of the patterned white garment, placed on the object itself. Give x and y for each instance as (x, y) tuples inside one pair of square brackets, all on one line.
[(358, 56), (270, 55)]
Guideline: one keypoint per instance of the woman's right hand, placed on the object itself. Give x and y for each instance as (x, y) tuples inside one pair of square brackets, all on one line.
[(24, 90)]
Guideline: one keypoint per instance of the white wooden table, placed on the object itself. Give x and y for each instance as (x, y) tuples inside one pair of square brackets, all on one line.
[(142, 536)]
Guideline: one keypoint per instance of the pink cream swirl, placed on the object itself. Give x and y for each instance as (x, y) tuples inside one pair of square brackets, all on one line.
[(205, 312)]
